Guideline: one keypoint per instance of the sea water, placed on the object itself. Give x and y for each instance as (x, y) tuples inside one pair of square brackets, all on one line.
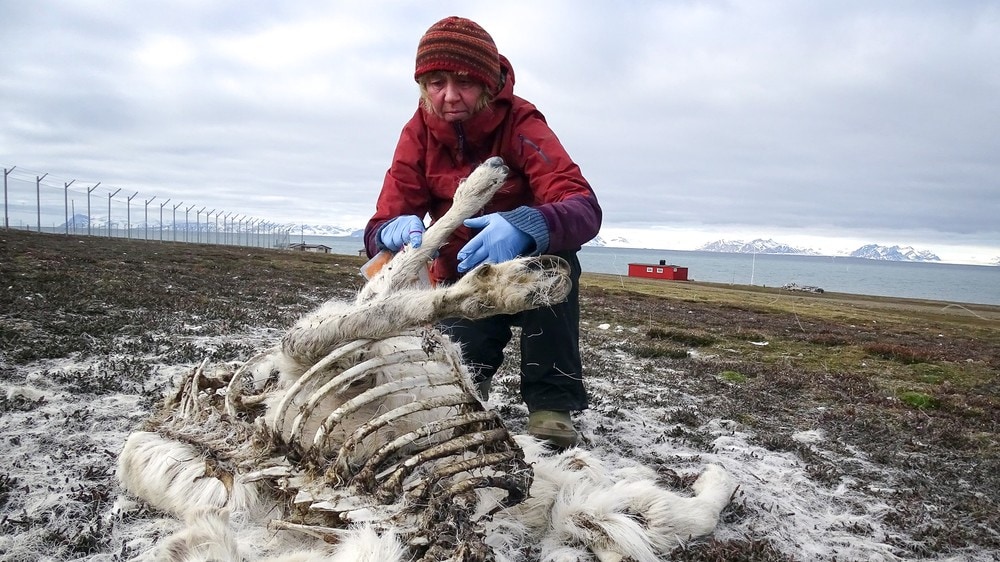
[(918, 280)]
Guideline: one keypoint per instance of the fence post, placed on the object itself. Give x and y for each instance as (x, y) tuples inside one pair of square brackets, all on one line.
[(66, 204), (145, 220), (6, 217), (89, 191), (110, 195), (161, 217), (217, 232), (225, 238), (38, 199), (173, 221), (128, 216), (208, 239), (197, 225), (187, 226)]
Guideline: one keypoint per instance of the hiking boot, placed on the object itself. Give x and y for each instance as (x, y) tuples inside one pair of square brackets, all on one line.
[(554, 427)]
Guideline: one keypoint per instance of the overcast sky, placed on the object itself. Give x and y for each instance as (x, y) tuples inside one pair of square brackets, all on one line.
[(826, 124)]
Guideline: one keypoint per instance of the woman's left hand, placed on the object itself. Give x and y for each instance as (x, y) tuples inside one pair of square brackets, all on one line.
[(497, 242)]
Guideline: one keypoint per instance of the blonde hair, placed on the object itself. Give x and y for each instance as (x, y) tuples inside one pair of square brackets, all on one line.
[(482, 103)]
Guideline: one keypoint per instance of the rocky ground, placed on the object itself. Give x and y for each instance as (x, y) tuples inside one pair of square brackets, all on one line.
[(858, 428)]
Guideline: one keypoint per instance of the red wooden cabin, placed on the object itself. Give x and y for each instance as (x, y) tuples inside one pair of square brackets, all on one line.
[(659, 271)]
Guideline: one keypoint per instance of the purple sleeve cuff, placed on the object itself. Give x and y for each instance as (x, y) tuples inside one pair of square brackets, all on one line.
[(531, 222)]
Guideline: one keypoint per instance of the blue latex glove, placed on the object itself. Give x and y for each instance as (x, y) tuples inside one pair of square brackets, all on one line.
[(498, 242), (402, 230)]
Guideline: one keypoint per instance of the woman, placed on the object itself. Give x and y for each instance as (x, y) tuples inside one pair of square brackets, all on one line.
[(468, 113)]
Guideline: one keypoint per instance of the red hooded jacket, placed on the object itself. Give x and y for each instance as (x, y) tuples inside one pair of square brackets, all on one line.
[(433, 156)]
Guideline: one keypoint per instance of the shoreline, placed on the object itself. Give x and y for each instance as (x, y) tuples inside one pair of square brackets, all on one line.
[(678, 289)]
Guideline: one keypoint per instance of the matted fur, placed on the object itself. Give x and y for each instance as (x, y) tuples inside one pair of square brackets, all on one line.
[(363, 430)]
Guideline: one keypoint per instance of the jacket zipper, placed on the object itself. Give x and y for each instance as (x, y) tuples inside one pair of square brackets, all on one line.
[(460, 131)]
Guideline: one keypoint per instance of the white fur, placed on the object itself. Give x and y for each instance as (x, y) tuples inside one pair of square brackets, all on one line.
[(176, 478), (206, 538), (358, 544), (622, 514), (364, 544)]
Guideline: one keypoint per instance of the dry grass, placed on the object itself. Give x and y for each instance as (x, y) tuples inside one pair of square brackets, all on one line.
[(913, 385)]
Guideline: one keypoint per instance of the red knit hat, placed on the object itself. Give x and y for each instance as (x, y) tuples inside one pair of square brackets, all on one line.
[(457, 44)]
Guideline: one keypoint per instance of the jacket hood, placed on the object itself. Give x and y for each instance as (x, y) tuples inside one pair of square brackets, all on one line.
[(507, 84)]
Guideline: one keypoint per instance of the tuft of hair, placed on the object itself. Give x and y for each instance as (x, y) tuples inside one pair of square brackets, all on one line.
[(619, 514), (600, 519), (177, 478), (205, 538), (365, 544)]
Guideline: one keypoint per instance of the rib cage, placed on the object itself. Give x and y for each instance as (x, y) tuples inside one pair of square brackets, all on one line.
[(423, 483), (433, 449)]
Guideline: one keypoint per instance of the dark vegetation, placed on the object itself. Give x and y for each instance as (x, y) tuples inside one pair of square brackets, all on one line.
[(913, 385)]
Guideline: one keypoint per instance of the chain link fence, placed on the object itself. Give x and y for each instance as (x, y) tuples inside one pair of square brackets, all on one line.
[(36, 202)]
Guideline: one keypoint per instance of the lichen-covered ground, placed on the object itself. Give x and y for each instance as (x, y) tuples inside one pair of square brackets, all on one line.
[(858, 428)]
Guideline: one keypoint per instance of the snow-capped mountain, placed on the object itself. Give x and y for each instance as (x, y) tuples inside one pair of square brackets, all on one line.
[(80, 222), (322, 230), (597, 241), (77, 221), (757, 246), (893, 253)]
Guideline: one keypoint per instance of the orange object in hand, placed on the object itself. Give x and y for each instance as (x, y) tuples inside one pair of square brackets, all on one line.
[(374, 265)]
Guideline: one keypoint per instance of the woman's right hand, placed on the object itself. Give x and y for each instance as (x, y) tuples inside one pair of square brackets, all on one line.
[(400, 231)]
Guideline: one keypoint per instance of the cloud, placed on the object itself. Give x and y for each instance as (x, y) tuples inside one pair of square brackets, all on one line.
[(851, 118)]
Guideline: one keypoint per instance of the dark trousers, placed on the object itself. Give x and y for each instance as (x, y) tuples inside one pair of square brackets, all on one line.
[(551, 370)]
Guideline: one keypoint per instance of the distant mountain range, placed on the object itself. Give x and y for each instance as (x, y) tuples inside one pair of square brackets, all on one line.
[(868, 251), (893, 253), (758, 246), (322, 230)]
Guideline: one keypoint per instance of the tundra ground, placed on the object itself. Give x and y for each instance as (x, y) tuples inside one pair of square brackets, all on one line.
[(859, 428)]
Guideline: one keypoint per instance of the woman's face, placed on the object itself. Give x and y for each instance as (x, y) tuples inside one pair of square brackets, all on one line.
[(452, 96)]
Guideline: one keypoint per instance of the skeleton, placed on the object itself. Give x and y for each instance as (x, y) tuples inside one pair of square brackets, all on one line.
[(364, 428)]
